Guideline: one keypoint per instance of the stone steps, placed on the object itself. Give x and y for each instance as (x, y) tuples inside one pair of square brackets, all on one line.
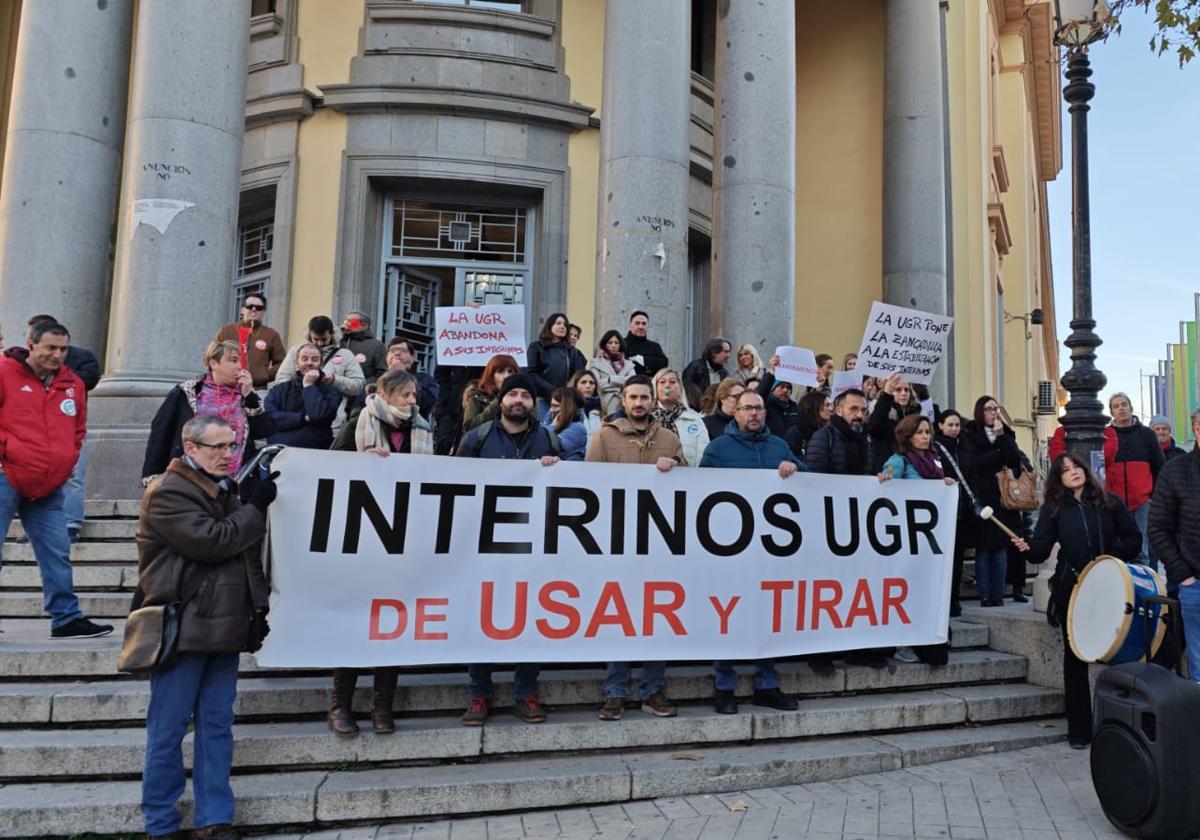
[(92, 529), (323, 798), (87, 577), (28, 652), (272, 698), (57, 753), (99, 605), (81, 552)]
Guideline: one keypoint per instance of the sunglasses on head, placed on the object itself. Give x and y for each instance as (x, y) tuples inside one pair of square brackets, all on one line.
[(257, 307)]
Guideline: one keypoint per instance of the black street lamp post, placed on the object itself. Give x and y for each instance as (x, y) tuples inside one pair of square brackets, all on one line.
[(1078, 23)]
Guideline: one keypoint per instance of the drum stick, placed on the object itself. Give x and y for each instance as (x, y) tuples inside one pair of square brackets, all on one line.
[(989, 514)]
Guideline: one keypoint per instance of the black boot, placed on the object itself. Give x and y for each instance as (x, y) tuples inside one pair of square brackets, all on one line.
[(341, 711), (383, 719)]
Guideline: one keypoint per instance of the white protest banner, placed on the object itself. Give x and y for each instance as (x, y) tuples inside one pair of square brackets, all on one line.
[(471, 335), (420, 559), (797, 365), (905, 341), (844, 380)]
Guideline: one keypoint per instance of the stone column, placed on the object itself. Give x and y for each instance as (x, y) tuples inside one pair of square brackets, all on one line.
[(178, 221), (62, 165), (642, 223), (914, 164), (754, 173)]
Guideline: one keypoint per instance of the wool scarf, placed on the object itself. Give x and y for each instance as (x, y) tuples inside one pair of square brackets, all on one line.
[(225, 401), (925, 463), (666, 417), (382, 425)]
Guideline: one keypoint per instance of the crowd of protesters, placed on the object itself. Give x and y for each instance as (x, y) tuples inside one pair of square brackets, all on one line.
[(628, 404)]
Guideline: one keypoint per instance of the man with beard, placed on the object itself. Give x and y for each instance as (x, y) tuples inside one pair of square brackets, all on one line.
[(843, 448), (636, 438), (515, 436), (263, 349), (747, 444), (303, 408), (647, 356)]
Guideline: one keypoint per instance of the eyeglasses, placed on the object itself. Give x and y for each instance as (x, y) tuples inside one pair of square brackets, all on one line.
[(990, 409), (751, 409), (254, 307), (220, 447)]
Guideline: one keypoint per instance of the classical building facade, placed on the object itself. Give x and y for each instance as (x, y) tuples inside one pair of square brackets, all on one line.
[(761, 170)]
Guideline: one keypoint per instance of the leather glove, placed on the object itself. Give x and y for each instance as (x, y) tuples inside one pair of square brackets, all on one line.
[(264, 492)]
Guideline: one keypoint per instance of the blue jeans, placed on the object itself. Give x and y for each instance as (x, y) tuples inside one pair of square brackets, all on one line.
[(196, 689), (1189, 610), (46, 526), (524, 680), (725, 677), (991, 568), (616, 683), (1142, 516), (73, 503)]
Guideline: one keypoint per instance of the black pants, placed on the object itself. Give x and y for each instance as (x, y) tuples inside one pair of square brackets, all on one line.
[(1078, 693), (960, 549)]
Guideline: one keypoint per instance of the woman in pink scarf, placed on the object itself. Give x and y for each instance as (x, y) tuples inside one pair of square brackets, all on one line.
[(225, 391)]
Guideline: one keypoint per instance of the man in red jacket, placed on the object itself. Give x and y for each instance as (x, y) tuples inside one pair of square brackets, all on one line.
[(43, 417), (1132, 459)]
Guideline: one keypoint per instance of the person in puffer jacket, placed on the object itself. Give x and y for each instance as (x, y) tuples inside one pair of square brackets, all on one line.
[(1132, 460), (1175, 532)]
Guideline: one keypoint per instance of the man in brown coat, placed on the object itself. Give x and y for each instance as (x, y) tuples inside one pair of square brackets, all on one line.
[(200, 546), (263, 351), (636, 438)]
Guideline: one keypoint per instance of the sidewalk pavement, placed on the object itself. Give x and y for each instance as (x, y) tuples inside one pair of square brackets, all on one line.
[(1040, 793)]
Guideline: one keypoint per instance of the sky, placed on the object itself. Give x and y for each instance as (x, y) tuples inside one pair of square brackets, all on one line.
[(1143, 139)]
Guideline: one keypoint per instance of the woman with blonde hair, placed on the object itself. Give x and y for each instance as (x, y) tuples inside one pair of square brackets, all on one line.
[(672, 411), (749, 364)]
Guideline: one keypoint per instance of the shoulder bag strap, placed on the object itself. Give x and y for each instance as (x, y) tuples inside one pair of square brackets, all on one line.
[(958, 471)]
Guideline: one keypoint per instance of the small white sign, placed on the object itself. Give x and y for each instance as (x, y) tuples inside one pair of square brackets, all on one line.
[(471, 335), (905, 341), (844, 380), (797, 365)]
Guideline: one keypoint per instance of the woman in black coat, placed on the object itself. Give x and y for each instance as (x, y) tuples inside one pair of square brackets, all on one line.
[(895, 402), (946, 443), (551, 359), (1085, 522), (986, 447), (814, 412)]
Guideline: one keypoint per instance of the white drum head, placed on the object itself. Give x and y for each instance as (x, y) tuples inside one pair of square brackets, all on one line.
[(1097, 620)]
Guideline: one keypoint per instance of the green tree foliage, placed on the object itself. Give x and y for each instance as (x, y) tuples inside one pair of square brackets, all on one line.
[(1178, 23)]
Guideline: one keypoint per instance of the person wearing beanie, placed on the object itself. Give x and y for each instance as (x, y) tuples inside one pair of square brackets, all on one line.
[(1161, 427), (514, 434)]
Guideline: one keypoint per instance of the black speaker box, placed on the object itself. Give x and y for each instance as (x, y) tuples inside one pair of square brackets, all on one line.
[(1146, 751)]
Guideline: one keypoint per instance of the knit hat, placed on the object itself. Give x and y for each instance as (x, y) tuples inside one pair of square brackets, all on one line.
[(517, 380), (1159, 420)]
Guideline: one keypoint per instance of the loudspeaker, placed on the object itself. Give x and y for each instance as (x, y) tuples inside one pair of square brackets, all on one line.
[(1146, 751)]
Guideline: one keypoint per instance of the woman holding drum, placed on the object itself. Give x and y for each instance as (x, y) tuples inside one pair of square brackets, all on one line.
[(1085, 522)]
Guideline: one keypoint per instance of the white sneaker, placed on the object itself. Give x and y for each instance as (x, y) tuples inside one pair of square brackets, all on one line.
[(906, 654)]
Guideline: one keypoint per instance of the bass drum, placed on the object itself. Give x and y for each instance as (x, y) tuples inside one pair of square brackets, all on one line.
[(1106, 618)]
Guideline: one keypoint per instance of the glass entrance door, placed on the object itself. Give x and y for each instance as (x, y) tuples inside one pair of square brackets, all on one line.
[(409, 297)]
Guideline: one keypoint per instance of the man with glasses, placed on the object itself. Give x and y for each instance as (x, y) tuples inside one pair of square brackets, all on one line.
[(43, 418), (262, 347), (198, 545), (747, 444)]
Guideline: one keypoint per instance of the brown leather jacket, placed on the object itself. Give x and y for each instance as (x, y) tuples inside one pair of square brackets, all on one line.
[(195, 537), (264, 355), (618, 442)]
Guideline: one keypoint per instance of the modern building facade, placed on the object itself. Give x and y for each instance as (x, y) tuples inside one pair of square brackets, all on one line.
[(760, 170)]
